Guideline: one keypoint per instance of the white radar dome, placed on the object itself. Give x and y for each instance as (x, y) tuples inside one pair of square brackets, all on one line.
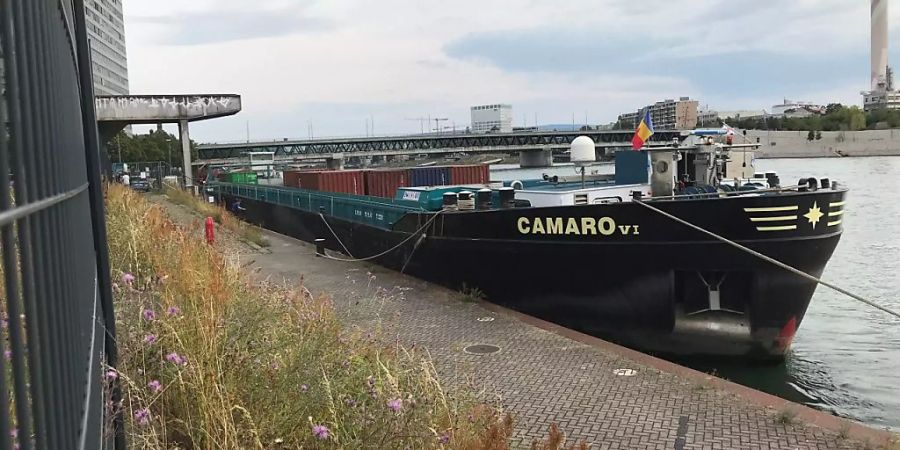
[(582, 150)]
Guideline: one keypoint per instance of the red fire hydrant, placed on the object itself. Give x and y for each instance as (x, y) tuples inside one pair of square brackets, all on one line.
[(210, 231)]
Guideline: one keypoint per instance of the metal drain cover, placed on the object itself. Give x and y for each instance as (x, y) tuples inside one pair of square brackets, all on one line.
[(625, 372), (485, 319), (481, 349)]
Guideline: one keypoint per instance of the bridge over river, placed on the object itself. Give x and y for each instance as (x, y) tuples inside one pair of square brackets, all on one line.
[(535, 147)]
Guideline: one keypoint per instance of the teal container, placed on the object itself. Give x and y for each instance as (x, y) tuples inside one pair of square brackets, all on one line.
[(427, 198)]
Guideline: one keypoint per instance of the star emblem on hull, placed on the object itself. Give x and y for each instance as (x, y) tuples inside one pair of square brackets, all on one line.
[(814, 214)]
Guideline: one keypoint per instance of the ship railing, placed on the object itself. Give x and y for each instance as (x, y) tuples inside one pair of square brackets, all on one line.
[(775, 190), (382, 214)]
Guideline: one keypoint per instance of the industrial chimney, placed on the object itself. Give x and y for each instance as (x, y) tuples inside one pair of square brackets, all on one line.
[(879, 45)]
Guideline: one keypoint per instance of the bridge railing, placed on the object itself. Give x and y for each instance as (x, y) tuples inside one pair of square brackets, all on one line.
[(58, 329)]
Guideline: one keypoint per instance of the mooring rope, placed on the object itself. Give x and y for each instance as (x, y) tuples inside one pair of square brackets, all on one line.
[(770, 260), (354, 259)]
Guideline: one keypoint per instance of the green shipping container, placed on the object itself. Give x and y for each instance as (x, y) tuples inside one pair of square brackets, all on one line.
[(241, 177)]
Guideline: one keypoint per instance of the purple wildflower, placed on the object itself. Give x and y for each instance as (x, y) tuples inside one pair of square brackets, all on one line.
[(111, 374), (14, 433), (304, 388), (7, 354), (395, 405), (350, 402), (444, 439), (155, 386), (320, 431), (148, 314), (370, 380), (345, 364), (142, 416), (173, 311), (127, 278), (4, 323), (176, 359), (150, 339)]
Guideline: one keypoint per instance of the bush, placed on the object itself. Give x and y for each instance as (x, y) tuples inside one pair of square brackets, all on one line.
[(208, 360)]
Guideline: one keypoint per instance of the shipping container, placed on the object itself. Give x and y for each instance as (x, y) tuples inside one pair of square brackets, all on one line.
[(429, 176), (291, 177), (346, 181), (474, 174), (241, 177), (384, 183)]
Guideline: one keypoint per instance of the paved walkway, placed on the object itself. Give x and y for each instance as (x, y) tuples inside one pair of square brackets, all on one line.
[(543, 373)]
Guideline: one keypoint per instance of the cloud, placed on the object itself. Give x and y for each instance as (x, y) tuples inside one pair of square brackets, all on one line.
[(337, 63), (218, 26)]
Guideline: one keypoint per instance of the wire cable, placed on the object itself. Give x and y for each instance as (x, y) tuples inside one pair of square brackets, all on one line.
[(771, 260), (353, 259)]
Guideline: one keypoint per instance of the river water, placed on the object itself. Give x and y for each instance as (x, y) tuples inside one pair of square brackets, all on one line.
[(845, 358)]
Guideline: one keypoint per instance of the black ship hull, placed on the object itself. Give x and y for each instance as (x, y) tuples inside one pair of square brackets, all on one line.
[(617, 271)]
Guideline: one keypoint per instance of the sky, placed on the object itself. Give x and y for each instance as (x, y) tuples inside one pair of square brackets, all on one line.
[(353, 67)]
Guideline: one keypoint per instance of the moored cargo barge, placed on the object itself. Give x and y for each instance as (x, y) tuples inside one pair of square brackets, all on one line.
[(585, 253)]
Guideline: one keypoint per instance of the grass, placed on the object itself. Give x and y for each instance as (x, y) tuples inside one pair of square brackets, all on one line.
[(786, 416), (242, 229), (472, 294), (210, 361)]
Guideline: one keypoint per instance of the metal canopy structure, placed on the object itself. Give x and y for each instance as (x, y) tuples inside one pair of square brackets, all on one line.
[(412, 144)]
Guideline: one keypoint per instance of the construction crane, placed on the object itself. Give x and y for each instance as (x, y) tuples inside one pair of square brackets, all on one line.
[(437, 123), (421, 120)]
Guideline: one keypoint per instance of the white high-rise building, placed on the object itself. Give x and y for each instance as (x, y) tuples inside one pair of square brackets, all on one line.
[(492, 118), (106, 32)]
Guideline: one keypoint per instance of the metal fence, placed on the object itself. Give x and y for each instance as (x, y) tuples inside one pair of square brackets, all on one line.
[(59, 326)]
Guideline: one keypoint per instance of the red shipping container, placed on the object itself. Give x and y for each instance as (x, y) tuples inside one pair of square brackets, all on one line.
[(475, 174), (346, 181), (291, 177), (384, 183)]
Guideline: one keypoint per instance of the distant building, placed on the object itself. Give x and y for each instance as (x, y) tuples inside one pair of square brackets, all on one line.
[(492, 118), (707, 117), (741, 114), (681, 114), (791, 109), (106, 32)]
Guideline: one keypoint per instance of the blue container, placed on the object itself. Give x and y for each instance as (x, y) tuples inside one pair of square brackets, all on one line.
[(429, 176), (632, 167)]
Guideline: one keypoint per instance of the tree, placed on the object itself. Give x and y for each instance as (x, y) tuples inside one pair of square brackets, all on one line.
[(154, 146), (811, 135), (832, 108), (818, 135)]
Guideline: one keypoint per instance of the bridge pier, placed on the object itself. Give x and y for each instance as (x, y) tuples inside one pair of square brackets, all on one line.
[(335, 162), (536, 158), (184, 135)]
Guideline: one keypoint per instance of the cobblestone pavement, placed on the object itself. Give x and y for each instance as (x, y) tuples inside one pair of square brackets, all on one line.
[(539, 376)]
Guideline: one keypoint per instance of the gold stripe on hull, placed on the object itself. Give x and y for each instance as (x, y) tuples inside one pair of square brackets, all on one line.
[(835, 213), (834, 223), (781, 228), (772, 219), (772, 209)]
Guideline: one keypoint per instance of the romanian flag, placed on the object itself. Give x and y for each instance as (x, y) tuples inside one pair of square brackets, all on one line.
[(643, 132)]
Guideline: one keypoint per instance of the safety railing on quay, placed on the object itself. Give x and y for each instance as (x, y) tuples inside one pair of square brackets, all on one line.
[(58, 324)]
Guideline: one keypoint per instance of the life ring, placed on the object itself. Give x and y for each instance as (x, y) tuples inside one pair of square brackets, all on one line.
[(517, 185)]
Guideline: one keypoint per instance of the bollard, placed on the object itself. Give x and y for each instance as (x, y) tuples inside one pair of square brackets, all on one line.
[(210, 231), (320, 247)]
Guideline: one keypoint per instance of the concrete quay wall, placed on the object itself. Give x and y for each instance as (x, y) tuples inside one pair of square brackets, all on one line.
[(794, 144)]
